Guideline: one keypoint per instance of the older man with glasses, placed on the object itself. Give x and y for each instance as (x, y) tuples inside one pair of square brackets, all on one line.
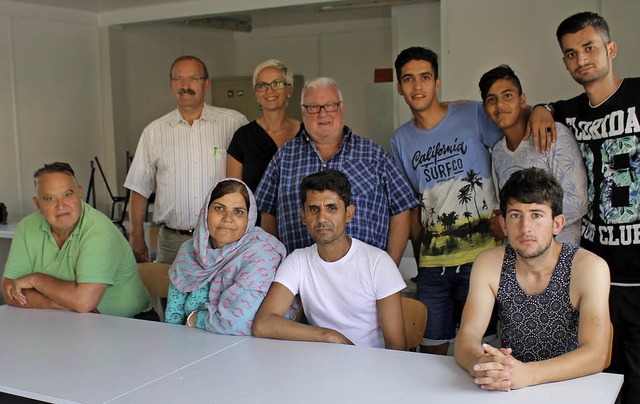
[(179, 156), (380, 192)]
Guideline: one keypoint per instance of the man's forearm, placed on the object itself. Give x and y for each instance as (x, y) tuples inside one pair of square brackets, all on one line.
[(80, 297), (269, 224), (35, 300), (467, 352), (277, 327), (399, 226), (137, 210), (416, 232), (580, 362)]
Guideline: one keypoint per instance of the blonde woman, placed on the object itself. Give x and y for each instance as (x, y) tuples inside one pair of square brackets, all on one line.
[(254, 144)]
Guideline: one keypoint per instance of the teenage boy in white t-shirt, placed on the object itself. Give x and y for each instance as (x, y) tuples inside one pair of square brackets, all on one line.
[(350, 291)]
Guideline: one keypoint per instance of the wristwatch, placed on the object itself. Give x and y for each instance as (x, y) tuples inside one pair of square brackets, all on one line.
[(548, 107)]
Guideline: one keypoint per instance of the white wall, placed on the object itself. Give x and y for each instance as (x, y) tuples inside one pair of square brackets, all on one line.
[(481, 34), (622, 17), (50, 105)]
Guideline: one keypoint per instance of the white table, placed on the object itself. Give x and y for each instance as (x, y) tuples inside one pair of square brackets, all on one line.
[(66, 357), (8, 230), (69, 357)]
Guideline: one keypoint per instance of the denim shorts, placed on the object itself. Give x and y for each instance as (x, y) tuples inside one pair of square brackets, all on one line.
[(444, 291)]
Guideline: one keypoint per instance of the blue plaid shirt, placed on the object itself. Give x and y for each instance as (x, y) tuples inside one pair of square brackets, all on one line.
[(379, 189)]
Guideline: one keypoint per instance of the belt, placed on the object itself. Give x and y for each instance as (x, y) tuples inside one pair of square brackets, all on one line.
[(183, 232)]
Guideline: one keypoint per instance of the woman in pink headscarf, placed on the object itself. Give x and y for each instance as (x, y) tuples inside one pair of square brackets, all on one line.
[(221, 276)]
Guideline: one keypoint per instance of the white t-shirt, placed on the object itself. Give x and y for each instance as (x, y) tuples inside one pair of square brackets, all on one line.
[(342, 295)]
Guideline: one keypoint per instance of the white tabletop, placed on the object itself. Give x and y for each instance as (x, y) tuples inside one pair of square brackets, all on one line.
[(59, 356), (8, 230), (68, 357), (269, 371)]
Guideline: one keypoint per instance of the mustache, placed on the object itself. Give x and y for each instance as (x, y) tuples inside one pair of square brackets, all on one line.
[(184, 91)]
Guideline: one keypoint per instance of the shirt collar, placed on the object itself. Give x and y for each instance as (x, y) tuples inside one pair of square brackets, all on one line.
[(207, 115), (307, 139)]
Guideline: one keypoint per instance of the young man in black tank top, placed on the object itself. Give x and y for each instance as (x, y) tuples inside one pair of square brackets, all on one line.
[(552, 297)]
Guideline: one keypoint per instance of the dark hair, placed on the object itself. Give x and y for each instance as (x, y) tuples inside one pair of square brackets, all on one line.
[(57, 167), (228, 187), (532, 185), (189, 57), (495, 74), (580, 21), (327, 180), (416, 53)]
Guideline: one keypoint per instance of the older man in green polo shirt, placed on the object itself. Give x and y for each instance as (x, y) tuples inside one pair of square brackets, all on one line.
[(69, 256)]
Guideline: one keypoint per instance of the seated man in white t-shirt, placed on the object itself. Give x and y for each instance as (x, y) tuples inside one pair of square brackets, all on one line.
[(350, 291)]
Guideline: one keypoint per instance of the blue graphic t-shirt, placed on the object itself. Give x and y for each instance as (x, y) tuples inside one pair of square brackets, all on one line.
[(449, 167)]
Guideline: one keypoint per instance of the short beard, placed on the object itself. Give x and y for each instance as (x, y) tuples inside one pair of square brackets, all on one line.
[(536, 253)]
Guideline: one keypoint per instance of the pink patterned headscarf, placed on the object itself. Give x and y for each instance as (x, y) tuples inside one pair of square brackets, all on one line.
[(257, 254)]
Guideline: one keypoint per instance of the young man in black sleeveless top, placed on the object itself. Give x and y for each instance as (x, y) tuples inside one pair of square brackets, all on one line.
[(552, 298)]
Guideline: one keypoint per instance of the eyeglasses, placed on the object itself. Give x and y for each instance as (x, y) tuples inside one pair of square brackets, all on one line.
[(189, 79), (315, 109), (275, 85)]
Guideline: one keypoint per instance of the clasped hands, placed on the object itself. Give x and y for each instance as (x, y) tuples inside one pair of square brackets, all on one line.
[(498, 370)]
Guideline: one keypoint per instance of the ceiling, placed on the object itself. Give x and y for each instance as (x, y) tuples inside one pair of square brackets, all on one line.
[(300, 14)]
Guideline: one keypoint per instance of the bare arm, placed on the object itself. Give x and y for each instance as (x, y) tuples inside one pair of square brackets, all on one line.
[(80, 297), (416, 232), (398, 235), (234, 168), (269, 224), (138, 207), (542, 127), (483, 285), (271, 323), (31, 299), (392, 323)]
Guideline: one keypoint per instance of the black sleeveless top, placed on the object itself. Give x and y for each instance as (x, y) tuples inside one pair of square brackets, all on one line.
[(542, 326)]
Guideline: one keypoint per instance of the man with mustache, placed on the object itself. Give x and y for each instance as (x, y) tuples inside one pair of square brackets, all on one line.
[(179, 156), (605, 121), (552, 298), (350, 291)]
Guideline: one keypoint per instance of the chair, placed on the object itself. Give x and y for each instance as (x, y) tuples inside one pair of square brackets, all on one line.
[(91, 195), (155, 277), (415, 321)]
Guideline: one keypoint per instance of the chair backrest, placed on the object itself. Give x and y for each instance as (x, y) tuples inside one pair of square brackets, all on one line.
[(155, 277), (415, 321)]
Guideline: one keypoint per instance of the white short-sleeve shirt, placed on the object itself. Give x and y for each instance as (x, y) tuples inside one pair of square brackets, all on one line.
[(342, 295)]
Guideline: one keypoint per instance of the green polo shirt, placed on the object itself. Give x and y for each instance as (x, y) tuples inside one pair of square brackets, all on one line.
[(95, 252)]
